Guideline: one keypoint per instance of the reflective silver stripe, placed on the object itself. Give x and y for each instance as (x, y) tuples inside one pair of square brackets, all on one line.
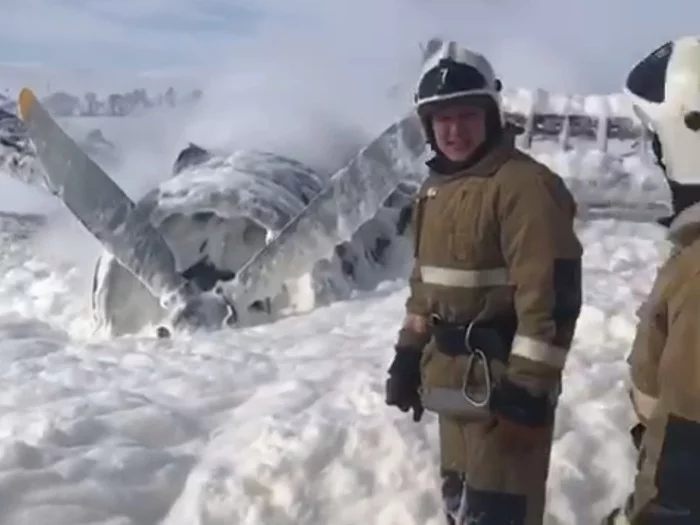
[(452, 402), (463, 278), (554, 356), (644, 404)]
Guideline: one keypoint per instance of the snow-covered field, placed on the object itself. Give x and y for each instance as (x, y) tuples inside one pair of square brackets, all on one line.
[(277, 424)]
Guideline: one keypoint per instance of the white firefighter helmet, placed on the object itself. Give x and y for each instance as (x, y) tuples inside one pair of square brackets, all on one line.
[(664, 89), (450, 72)]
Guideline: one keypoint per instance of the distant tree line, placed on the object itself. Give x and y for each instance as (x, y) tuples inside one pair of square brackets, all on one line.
[(64, 104)]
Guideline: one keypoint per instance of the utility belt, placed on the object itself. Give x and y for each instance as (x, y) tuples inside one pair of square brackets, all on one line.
[(493, 336), (478, 343)]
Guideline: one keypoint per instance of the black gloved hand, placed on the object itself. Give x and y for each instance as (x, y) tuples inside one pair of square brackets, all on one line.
[(404, 381), (637, 433), (515, 404), (522, 421)]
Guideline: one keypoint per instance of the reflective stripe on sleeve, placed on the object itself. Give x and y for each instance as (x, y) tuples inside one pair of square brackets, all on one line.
[(539, 351), (463, 278)]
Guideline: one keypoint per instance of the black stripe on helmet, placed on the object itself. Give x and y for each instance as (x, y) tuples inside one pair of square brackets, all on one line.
[(647, 79), (450, 77)]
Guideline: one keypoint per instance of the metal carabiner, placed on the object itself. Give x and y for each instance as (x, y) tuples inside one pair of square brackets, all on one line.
[(476, 353), (487, 380)]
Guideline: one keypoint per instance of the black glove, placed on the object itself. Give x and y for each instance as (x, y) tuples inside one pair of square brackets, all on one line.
[(517, 405), (404, 381), (637, 433)]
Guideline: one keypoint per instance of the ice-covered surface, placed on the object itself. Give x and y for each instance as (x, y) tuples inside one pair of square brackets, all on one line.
[(282, 423), (614, 183), (99, 203), (268, 188), (518, 103), (609, 184), (225, 207), (611, 104), (17, 154), (352, 197)]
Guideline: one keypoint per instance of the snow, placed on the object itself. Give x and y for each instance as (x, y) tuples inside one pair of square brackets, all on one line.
[(612, 104), (352, 198), (246, 183), (282, 423)]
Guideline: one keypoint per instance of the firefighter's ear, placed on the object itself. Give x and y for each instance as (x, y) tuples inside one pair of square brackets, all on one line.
[(498, 85)]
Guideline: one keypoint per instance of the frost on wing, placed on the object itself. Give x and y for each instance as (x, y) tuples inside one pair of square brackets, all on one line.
[(229, 207), (18, 155), (353, 197), (223, 209), (214, 213), (264, 187)]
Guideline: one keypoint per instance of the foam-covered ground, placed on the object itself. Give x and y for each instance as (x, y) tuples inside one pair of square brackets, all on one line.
[(283, 423)]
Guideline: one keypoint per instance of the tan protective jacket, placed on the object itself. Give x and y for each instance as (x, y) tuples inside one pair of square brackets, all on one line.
[(495, 240), (665, 369)]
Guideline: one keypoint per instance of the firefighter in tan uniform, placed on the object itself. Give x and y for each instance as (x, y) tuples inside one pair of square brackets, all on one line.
[(665, 360), (494, 298)]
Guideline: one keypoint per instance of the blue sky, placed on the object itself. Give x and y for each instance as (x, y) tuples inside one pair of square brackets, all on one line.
[(131, 34), (569, 45)]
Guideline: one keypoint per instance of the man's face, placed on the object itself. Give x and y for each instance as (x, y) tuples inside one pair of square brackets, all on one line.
[(459, 130)]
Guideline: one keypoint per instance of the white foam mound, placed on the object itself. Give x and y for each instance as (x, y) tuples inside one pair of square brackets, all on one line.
[(282, 424), (268, 188), (18, 155), (226, 209), (524, 101), (606, 185)]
